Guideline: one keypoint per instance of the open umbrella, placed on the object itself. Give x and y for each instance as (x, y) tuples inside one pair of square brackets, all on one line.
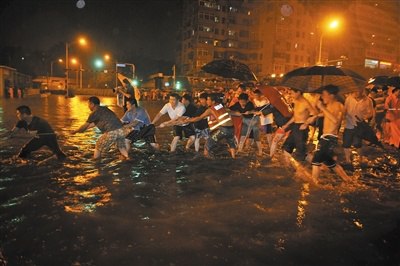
[(276, 99), (228, 68), (308, 79), (378, 80), (366, 132), (144, 132), (394, 81)]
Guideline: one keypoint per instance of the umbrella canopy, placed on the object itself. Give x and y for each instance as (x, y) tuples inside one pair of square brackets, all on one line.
[(366, 132), (144, 132), (378, 80), (308, 79), (229, 69), (276, 99), (394, 81)]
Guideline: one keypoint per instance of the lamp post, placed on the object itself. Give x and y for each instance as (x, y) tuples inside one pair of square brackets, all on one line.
[(332, 25), (82, 42), (51, 66), (75, 62)]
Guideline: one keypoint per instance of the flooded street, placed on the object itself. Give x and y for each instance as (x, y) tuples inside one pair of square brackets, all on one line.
[(162, 209)]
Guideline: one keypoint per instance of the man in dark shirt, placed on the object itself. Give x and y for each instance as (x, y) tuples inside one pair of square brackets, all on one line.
[(201, 127), (44, 134), (109, 124), (246, 109), (187, 129)]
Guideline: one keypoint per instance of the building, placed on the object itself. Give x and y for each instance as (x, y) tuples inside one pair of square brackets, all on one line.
[(373, 45), (11, 78), (274, 37)]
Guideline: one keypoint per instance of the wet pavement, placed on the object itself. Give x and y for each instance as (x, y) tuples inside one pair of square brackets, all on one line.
[(162, 209)]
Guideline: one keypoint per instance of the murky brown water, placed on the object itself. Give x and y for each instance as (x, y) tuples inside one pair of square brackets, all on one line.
[(158, 209)]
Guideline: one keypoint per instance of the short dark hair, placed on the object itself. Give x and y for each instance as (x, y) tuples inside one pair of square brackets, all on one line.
[(133, 102), (175, 95), (244, 96), (24, 109), (257, 91), (203, 95), (216, 97), (331, 89), (187, 97), (95, 100)]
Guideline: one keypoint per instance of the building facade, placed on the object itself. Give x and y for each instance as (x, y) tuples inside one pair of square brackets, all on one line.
[(274, 37)]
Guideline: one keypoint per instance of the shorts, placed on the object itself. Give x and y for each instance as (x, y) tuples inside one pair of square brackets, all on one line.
[(186, 131), (268, 129), (325, 151), (202, 133), (254, 130), (107, 139), (222, 133), (297, 139), (351, 138)]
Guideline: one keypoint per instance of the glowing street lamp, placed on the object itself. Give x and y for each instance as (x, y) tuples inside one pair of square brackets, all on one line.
[(331, 26), (51, 66), (75, 62), (82, 42)]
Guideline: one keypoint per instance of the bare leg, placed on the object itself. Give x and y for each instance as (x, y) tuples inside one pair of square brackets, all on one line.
[(316, 170), (269, 140), (124, 152), (241, 143), (274, 143), (347, 155), (174, 143), (233, 153), (97, 154), (197, 144), (340, 172), (259, 147), (155, 146), (127, 144), (190, 142)]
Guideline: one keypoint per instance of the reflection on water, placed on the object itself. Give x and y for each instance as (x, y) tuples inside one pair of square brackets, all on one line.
[(302, 203), (162, 209)]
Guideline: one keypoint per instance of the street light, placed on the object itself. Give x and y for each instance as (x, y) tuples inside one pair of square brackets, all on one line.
[(332, 25), (75, 61), (82, 42), (51, 66)]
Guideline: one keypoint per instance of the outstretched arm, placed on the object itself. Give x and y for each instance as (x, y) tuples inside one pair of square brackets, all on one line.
[(83, 128), (156, 118)]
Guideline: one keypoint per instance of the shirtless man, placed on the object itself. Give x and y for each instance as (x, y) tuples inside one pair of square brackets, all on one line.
[(303, 115), (333, 114)]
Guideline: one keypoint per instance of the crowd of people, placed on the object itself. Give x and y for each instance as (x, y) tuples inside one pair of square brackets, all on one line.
[(238, 119)]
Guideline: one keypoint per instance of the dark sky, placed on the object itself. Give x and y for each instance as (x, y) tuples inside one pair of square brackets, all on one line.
[(124, 28)]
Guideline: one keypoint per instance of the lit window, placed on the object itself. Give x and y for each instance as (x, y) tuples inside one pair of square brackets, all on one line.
[(385, 65), (370, 63)]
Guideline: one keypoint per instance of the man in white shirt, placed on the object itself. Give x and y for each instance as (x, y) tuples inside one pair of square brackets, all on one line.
[(358, 106), (265, 120), (175, 110)]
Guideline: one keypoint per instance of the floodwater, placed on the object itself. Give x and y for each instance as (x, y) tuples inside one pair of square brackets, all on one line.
[(162, 209)]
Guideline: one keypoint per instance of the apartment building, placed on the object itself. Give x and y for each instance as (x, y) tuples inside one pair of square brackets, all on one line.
[(274, 37)]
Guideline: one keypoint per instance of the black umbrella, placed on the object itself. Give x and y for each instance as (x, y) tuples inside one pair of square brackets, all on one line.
[(228, 68), (309, 79), (366, 132), (394, 81), (378, 80), (145, 131)]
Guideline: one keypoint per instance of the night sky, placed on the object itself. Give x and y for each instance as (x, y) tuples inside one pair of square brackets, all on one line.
[(140, 30)]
